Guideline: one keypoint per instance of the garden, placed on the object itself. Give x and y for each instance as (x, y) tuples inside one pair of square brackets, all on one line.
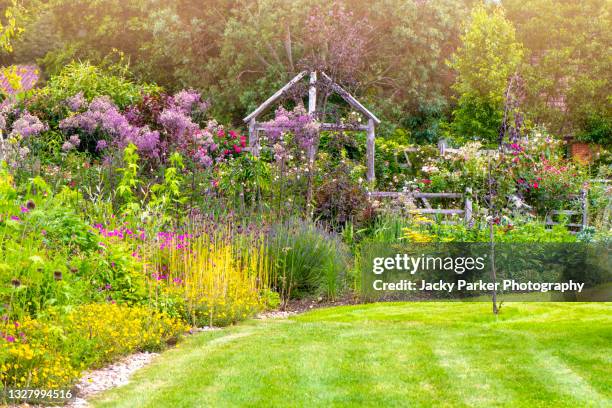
[(189, 180)]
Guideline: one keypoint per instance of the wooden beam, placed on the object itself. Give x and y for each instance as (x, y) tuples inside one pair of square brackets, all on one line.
[(350, 99), (312, 108), (253, 138), (343, 126), (264, 106), (584, 203), (396, 194), (370, 153), (312, 93), (468, 206), (329, 126), (437, 195), (436, 211)]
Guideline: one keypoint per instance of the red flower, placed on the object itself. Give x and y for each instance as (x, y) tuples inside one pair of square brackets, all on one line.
[(536, 185), (426, 181), (237, 149)]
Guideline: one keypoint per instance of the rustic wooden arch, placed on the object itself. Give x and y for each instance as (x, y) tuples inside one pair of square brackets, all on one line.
[(370, 128)]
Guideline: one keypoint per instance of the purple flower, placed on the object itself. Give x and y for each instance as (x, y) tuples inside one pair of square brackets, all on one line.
[(27, 125), (203, 158), (101, 145), (104, 116), (75, 140), (177, 123), (189, 100), (76, 102), (304, 126), (67, 146), (10, 339)]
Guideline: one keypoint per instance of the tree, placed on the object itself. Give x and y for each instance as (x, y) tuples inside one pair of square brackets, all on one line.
[(569, 70), (8, 28), (488, 56)]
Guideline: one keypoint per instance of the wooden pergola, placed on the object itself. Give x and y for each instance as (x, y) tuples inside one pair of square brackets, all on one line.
[(373, 121)]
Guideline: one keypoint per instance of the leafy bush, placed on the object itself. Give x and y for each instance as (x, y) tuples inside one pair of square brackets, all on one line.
[(305, 260), (91, 81), (340, 200)]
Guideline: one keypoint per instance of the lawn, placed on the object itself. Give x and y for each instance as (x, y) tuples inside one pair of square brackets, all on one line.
[(393, 354)]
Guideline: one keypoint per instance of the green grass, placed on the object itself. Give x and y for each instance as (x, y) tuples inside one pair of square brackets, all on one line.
[(393, 354)]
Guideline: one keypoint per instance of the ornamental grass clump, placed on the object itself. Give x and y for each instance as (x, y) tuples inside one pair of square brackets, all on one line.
[(305, 260)]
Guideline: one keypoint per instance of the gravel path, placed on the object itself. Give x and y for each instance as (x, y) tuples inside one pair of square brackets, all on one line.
[(117, 374), (114, 375)]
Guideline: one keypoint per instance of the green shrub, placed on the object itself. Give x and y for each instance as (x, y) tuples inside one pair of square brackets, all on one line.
[(91, 81), (306, 260)]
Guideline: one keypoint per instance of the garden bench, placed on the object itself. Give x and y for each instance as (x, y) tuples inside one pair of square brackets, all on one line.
[(583, 212)]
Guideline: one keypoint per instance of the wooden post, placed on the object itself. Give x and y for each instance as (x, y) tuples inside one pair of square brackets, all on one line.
[(312, 93), (253, 137), (468, 206), (442, 146), (312, 108), (584, 203), (370, 150)]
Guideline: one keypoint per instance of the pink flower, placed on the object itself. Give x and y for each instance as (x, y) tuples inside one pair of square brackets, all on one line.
[(536, 185), (24, 210), (10, 339)]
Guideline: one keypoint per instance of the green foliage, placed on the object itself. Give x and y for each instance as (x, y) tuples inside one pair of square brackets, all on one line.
[(305, 260), (489, 54), (93, 81), (568, 72), (9, 28), (128, 185), (244, 179), (169, 195)]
